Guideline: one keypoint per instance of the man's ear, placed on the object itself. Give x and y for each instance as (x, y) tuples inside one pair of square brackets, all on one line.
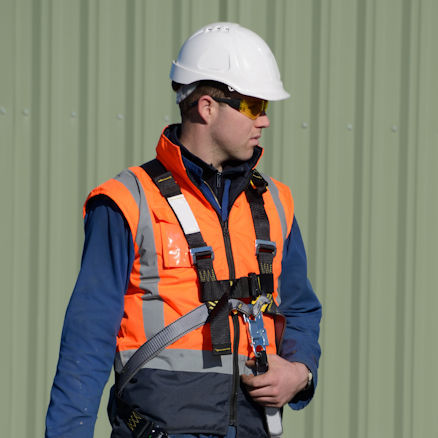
[(206, 108)]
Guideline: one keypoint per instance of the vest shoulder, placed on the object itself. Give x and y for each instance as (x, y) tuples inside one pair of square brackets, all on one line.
[(125, 189), (283, 200), (113, 186), (278, 188)]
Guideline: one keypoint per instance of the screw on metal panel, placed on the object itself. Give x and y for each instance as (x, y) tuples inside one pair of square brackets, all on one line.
[(394, 128), (120, 116), (350, 127), (166, 119), (304, 125), (74, 114), (26, 112), (2, 110)]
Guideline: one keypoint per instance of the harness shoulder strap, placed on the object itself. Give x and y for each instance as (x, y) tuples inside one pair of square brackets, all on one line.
[(214, 292), (265, 248)]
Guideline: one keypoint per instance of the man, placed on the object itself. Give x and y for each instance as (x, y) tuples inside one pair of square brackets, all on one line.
[(201, 238)]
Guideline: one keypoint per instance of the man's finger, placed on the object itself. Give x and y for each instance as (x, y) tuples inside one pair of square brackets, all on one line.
[(250, 363), (260, 381)]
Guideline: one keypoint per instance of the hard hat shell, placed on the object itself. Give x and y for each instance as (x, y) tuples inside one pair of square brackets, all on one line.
[(231, 54)]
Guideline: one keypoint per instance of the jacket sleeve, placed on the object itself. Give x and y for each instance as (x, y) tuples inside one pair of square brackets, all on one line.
[(92, 320), (302, 310)]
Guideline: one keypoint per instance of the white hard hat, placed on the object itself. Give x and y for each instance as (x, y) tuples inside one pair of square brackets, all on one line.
[(233, 55)]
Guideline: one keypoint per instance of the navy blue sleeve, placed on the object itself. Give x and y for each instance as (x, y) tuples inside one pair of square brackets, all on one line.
[(302, 310), (92, 321)]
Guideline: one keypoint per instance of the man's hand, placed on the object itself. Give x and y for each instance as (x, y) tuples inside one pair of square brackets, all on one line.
[(279, 384)]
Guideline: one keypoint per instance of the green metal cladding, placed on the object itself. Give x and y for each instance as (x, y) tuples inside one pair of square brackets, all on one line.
[(84, 93)]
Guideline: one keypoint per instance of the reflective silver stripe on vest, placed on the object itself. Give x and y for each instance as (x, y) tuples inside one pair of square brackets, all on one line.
[(153, 315), (280, 209), (173, 359), (273, 190)]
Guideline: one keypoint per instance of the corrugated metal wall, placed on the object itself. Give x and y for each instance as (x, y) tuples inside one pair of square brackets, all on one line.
[(84, 93)]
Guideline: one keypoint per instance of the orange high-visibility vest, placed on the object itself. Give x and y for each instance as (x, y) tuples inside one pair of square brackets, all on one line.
[(163, 283)]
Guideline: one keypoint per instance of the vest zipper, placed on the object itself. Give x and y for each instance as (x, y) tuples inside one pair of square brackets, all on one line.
[(214, 195), (236, 327), (235, 317), (228, 250), (218, 179)]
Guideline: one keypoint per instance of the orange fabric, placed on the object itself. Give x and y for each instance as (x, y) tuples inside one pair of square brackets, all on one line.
[(122, 197), (178, 286), (131, 333)]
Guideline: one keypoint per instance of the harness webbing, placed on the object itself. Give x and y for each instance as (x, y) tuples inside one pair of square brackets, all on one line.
[(265, 248), (212, 291)]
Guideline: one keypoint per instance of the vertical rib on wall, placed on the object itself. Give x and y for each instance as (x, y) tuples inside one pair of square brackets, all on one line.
[(84, 92)]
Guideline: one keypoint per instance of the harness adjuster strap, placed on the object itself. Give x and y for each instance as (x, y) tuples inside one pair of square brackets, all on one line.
[(201, 253), (265, 247)]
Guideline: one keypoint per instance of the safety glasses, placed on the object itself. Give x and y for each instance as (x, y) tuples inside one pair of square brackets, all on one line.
[(249, 106)]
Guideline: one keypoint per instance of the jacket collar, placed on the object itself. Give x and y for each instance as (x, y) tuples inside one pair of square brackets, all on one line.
[(179, 159)]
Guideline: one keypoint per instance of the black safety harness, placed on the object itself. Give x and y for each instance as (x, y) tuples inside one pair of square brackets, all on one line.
[(219, 297)]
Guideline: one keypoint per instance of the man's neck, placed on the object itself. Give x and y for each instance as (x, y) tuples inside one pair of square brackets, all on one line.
[(195, 139)]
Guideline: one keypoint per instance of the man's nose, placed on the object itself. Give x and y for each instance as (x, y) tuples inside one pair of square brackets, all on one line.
[(263, 121)]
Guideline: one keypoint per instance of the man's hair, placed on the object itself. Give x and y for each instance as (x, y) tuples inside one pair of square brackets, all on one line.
[(210, 88)]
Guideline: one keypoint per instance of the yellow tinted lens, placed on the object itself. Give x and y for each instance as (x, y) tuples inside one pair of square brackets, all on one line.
[(252, 108)]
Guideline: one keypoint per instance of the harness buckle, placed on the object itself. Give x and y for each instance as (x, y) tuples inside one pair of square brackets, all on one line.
[(261, 360), (257, 332), (201, 253), (265, 246), (259, 341)]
